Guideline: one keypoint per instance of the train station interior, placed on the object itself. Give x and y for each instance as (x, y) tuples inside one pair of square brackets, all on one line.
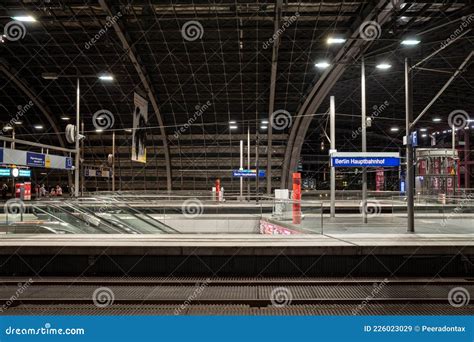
[(236, 157)]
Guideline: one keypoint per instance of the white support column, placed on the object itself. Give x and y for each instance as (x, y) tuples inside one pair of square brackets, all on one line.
[(332, 133), (78, 154), (364, 140)]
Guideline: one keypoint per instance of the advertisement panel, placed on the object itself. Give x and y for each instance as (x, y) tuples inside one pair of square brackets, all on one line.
[(140, 123)]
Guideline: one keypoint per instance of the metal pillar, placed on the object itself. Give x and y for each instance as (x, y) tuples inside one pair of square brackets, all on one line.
[(248, 160), (241, 168), (332, 133), (78, 122), (257, 180), (113, 161), (364, 140), (410, 176)]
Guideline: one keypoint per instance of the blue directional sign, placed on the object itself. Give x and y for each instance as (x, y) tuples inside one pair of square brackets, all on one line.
[(68, 163), (366, 159), (248, 173), (35, 159)]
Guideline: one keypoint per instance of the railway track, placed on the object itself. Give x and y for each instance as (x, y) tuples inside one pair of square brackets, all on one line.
[(196, 295)]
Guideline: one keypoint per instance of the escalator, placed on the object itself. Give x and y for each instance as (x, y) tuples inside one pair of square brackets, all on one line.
[(127, 216)]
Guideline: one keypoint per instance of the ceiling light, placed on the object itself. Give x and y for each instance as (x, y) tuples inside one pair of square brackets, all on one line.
[(423, 129), (394, 129), (49, 75), (265, 122), (444, 132), (233, 127), (424, 135), (65, 118), (128, 130), (383, 66), (411, 41), (335, 40), (26, 18), (19, 122), (322, 65), (436, 119), (98, 130), (263, 127), (233, 122), (106, 77), (7, 128), (38, 126)]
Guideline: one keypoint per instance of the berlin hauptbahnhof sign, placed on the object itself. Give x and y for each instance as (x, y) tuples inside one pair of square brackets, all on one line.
[(365, 159)]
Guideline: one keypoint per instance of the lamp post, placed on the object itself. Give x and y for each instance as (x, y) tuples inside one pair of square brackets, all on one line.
[(55, 76)]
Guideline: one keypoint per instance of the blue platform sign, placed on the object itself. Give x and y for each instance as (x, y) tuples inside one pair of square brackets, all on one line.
[(414, 139), (248, 173), (1, 155), (35, 159), (68, 163), (365, 159)]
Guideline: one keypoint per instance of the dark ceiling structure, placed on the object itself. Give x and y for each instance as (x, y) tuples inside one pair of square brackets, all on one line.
[(204, 64)]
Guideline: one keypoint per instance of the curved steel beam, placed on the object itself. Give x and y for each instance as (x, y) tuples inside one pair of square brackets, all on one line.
[(352, 50), (34, 98), (140, 69), (39, 104)]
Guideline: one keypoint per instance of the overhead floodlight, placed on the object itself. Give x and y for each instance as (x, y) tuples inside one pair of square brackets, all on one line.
[(336, 40), (18, 122), (7, 128), (99, 130), (424, 135), (265, 122), (394, 129), (65, 118), (233, 122), (322, 65), (436, 119), (263, 127), (49, 75), (106, 77), (25, 18), (383, 66), (38, 127), (423, 129), (411, 41), (233, 127)]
